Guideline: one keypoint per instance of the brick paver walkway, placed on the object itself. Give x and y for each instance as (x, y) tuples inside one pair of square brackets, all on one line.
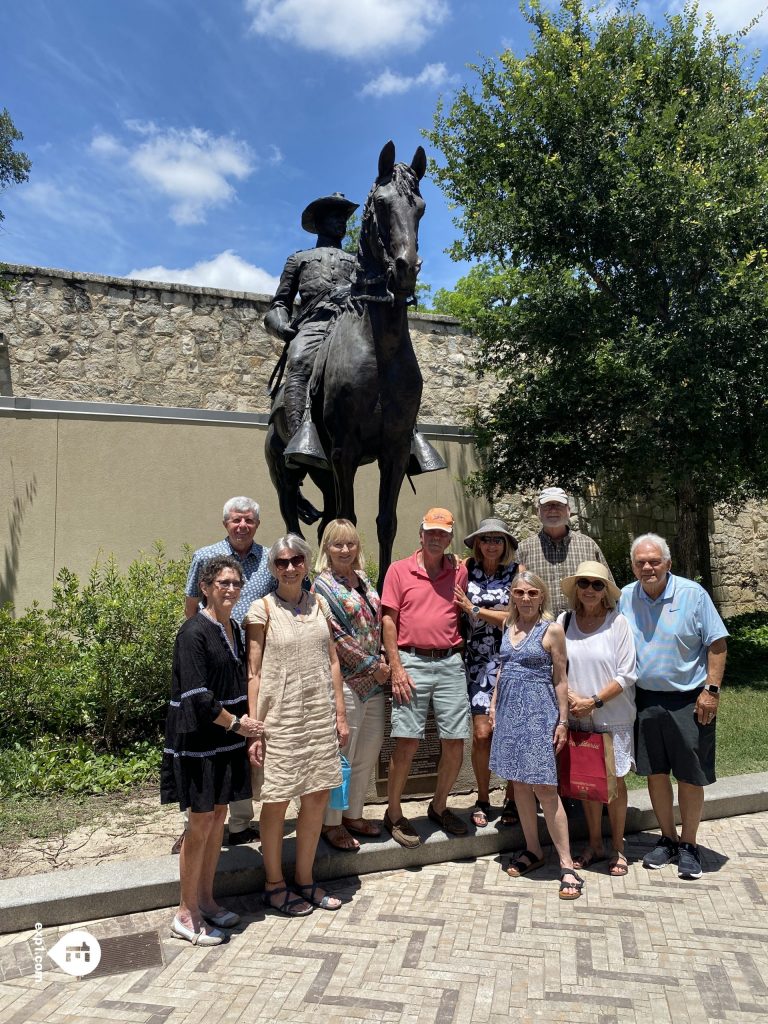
[(454, 942)]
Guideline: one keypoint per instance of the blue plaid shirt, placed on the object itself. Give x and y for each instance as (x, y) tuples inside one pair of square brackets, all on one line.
[(259, 581)]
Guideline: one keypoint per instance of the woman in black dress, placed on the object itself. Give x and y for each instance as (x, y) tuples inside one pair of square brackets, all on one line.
[(204, 759)]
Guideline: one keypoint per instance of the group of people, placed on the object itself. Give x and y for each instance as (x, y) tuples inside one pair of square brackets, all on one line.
[(274, 677)]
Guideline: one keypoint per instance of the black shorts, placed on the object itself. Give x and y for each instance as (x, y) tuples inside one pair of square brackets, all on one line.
[(670, 739)]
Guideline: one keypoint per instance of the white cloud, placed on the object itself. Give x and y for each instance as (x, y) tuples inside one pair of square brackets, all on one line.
[(348, 28), (227, 270), (732, 15), (106, 145), (190, 166), (389, 83)]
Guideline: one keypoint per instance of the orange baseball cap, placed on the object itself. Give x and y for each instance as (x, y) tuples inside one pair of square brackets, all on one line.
[(438, 519)]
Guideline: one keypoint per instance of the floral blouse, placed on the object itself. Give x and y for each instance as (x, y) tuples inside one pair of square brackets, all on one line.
[(356, 624)]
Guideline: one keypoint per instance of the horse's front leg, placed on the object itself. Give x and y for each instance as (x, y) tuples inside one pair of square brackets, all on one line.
[(345, 458), (392, 466)]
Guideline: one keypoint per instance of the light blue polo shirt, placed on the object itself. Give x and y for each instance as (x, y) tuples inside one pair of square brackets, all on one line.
[(672, 633)]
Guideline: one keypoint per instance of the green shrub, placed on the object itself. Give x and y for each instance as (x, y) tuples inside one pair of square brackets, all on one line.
[(47, 766), (96, 666)]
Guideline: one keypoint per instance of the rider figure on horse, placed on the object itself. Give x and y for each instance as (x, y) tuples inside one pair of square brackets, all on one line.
[(321, 276)]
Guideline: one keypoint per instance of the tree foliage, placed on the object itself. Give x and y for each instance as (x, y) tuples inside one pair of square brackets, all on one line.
[(14, 166), (613, 185)]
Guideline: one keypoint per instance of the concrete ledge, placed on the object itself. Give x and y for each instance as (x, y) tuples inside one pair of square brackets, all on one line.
[(126, 887)]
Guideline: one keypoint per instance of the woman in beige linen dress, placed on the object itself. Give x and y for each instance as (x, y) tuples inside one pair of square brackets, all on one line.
[(295, 681)]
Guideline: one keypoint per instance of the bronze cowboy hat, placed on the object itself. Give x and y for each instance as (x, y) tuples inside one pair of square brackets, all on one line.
[(337, 203)]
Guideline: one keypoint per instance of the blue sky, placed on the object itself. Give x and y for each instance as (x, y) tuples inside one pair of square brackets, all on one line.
[(180, 139)]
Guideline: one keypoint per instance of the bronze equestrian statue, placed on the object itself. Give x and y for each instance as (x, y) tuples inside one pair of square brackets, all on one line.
[(366, 385)]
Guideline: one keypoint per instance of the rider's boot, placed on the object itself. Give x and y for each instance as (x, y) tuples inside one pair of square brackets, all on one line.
[(304, 448)]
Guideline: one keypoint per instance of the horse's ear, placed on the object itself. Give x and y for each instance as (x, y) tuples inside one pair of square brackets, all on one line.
[(419, 163), (387, 160)]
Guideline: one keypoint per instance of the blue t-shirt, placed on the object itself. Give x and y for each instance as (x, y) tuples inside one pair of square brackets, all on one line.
[(672, 633), (259, 581)]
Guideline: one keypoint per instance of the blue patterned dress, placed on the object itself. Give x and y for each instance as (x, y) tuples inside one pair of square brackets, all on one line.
[(526, 712)]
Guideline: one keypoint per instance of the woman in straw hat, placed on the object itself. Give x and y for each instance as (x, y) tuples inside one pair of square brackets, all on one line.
[(601, 693), (490, 570)]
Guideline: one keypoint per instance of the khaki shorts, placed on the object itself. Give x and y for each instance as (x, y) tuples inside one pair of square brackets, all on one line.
[(442, 681)]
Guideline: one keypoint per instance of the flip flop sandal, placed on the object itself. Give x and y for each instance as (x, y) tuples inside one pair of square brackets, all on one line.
[(587, 858), (480, 813), (362, 827), (324, 903), (509, 815), (288, 905), (618, 865), (518, 868), (578, 885), (339, 838)]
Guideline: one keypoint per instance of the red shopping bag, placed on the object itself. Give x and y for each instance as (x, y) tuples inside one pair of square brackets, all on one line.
[(587, 769)]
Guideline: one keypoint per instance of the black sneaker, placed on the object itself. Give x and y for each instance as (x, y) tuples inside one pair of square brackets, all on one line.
[(248, 835), (688, 861), (663, 853)]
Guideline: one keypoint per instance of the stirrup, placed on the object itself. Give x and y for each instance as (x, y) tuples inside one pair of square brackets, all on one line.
[(304, 448), (423, 458)]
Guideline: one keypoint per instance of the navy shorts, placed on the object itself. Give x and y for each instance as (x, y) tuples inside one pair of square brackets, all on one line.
[(669, 739)]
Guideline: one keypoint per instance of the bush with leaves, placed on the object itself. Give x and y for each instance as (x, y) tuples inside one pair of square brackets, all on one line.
[(95, 666)]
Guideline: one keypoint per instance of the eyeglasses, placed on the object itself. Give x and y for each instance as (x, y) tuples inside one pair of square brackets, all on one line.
[(339, 545), (597, 585), (228, 584), (295, 561), (526, 593), (490, 540)]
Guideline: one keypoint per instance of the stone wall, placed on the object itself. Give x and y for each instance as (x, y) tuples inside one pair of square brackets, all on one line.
[(83, 337)]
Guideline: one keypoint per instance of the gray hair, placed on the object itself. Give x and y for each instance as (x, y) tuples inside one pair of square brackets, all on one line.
[(535, 581), (240, 504), (290, 542), (650, 538)]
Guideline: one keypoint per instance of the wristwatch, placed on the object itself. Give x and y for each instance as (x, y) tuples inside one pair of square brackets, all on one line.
[(475, 610), (234, 725), (598, 703), (714, 690)]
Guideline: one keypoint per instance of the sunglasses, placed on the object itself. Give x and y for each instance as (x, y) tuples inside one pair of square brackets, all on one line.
[(597, 585), (490, 540), (228, 584), (526, 593), (283, 563)]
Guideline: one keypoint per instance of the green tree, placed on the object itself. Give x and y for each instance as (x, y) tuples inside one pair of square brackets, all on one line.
[(14, 166), (613, 187)]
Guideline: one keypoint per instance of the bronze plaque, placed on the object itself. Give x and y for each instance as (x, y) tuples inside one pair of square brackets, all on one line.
[(421, 778)]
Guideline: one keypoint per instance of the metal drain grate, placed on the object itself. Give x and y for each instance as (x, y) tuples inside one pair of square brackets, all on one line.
[(123, 953)]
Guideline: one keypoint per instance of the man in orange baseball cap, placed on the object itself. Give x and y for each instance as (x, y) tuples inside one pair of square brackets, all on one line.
[(420, 629)]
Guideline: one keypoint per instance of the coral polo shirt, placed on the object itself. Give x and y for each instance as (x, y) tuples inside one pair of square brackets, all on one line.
[(427, 613)]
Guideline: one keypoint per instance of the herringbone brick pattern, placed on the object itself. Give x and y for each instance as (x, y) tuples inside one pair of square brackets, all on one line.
[(452, 942)]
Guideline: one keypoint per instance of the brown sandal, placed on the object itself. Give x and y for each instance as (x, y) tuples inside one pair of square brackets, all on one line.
[(618, 865), (362, 827), (338, 837)]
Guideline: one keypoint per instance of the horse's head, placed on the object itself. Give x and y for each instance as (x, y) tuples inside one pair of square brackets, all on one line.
[(389, 233)]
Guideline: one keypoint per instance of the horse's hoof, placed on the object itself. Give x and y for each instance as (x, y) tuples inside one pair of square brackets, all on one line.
[(307, 512)]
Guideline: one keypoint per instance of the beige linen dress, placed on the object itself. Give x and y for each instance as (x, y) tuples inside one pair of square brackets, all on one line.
[(295, 700)]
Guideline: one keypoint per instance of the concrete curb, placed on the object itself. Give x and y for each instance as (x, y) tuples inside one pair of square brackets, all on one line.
[(128, 887)]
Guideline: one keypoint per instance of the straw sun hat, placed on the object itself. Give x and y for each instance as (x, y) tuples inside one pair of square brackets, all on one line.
[(589, 570)]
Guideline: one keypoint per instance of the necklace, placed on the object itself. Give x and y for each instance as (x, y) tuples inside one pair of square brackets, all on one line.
[(295, 608)]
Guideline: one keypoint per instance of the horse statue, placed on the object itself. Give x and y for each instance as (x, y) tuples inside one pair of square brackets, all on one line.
[(366, 384)]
